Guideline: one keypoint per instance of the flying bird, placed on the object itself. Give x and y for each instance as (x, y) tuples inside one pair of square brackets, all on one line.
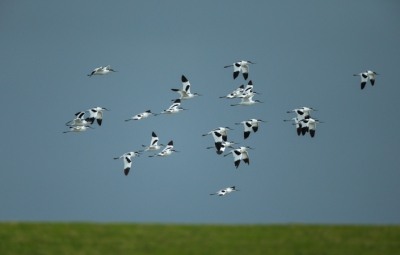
[(174, 108), (154, 146), (140, 116), (242, 66), (79, 120), (240, 154), (303, 112), (101, 71), (96, 113), (311, 125), (223, 192), (364, 78), (250, 125), (222, 131), (185, 92), (223, 146), (167, 151), (78, 129), (127, 160), (246, 101)]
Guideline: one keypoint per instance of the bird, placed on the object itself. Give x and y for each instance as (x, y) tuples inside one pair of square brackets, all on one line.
[(303, 112), (221, 130), (174, 108), (240, 66), (298, 125), (311, 125), (127, 160), (254, 123), (101, 71), (223, 146), (250, 125), (140, 116), (247, 128), (223, 192), (79, 120), (235, 93), (364, 78), (185, 92), (154, 146), (78, 129), (96, 113), (246, 101), (240, 154), (167, 151)]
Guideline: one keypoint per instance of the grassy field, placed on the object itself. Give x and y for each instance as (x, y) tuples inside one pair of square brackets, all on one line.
[(87, 238)]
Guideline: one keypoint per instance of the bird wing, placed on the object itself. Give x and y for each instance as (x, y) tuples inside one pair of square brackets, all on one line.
[(186, 85), (217, 136), (127, 164), (154, 141)]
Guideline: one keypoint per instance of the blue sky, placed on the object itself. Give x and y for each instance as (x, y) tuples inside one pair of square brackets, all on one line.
[(305, 54)]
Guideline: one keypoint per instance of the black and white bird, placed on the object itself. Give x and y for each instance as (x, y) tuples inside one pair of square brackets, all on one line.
[(154, 146), (101, 71), (185, 92), (247, 101), (140, 116), (302, 113), (166, 151), (223, 192), (240, 154), (364, 77), (242, 66), (250, 125), (222, 131), (298, 125), (223, 146), (235, 93), (96, 113), (310, 125), (174, 108), (128, 160), (78, 129), (80, 120)]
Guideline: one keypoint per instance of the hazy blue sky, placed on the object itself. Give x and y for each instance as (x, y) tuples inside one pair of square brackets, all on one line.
[(306, 54)]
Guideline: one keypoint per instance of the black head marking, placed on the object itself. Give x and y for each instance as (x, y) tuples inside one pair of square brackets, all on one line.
[(184, 79)]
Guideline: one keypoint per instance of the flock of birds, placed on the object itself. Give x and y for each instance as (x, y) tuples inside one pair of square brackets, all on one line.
[(303, 121)]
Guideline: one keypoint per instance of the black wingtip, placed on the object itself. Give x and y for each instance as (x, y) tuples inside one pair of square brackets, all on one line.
[(184, 79)]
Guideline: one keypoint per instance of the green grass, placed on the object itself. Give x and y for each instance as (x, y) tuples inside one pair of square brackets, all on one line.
[(88, 238)]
